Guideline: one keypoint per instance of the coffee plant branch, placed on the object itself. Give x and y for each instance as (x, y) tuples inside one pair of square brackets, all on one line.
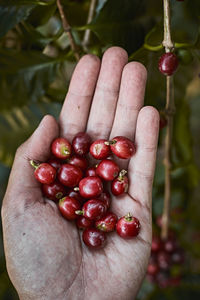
[(169, 110), (86, 38), (67, 29)]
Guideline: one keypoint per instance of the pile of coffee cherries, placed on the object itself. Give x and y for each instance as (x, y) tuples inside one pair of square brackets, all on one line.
[(165, 256), (81, 190)]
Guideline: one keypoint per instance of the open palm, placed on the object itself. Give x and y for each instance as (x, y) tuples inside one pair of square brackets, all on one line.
[(44, 253)]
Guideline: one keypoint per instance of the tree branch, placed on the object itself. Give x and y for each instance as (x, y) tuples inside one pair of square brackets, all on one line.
[(67, 29), (169, 110), (86, 38)]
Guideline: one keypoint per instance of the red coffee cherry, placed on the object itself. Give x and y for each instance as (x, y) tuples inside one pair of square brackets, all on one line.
[(99, 149), (44, 172), (122, 147), (107, 223), (107, 169), (78, 161), (81, 143), (128, 227), (92, 209), (54, 191), (69, 175), (68, 207), (94, 238), (83, 223), (168, 63), (119, 185), (61, 148), (90, 187), (91, 171)]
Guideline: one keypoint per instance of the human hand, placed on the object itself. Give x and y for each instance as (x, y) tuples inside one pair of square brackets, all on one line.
[(44, 253)]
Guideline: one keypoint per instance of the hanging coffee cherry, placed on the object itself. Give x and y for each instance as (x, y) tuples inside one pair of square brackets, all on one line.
[(44, 172), (156, 244), (119, 185), (107, 169), (54, 191), (81, 143), (61, 148), (128, 227), (94, 238), (168, 63), (92, 209), (70, 175), (122, 147), (68, 207), (107, 223), (90, 187), (99, 149)]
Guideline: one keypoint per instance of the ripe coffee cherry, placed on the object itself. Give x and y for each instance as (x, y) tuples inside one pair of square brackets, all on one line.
[(92, 209), (128, 227), (107, 223), (163, 259), (94, 238), (68, 206), (105, 198), (177, 257), (78, 161), (90, 172), (90, 187), (54, 162), (99, 149), (76, 195), (54, 191), (119, 185), (107, 169), (163, 121), (168, 63), (83, 223), (156, 244), (44, 172), (61, 148), (122, 147), (81, 143), (70, 175)]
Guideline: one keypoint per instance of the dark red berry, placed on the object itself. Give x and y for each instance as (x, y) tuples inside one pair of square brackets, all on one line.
[(168, 63), (122, 147), (119, 185), (128, 227), (90, 187), (54, 191), (99, 149), (105, 198), (44, 172), (78, 161), (83, 223), (54, 162), (68, 206), (93, 209), (94, 238), (156, 244), (81, 143), (76, 195), (90, 171), (163, 259), (107, 223), (70, 175), (107, 169), (153, 269), (61, 148)]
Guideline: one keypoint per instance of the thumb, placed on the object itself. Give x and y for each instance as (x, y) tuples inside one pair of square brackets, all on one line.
[(37, 147)]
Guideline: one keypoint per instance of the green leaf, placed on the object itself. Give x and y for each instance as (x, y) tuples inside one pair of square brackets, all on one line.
[(25, 76), (18, 124), (118, 23)]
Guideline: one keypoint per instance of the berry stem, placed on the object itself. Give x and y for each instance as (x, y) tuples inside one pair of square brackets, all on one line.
[(122, 174), (128, 217), (167, 41), (108, 143), (86, 38), (34, 164), (76, 189), (79, 212), (67, 29), (169, 111)]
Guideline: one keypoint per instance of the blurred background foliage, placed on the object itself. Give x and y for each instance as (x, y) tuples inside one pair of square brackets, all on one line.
[(36, 63)]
